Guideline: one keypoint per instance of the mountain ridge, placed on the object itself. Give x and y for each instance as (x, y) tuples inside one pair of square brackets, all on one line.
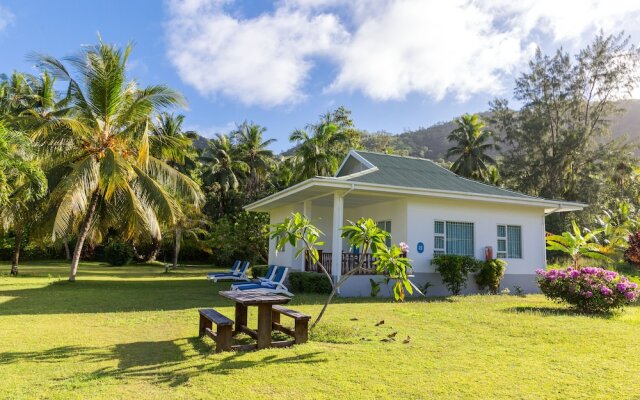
[(431, 142)]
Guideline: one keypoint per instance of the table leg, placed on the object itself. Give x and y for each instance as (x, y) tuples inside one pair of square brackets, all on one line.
[(241, 318), (264, 326)]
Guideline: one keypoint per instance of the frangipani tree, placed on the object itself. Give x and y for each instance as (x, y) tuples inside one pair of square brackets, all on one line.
[(363, 234), (578, 245)]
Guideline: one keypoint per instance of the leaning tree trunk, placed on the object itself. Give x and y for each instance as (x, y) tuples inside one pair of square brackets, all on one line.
[(176, 247), (67, 251), (152, 255), (82, 235), (15, 259)]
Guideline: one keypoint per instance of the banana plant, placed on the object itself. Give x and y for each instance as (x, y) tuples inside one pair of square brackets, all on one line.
[(616, 225), (578, 245)]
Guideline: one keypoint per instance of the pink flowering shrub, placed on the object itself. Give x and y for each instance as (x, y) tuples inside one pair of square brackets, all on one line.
[(591, 290)]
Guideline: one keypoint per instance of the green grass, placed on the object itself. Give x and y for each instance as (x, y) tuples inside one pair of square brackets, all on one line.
[(130, 333)]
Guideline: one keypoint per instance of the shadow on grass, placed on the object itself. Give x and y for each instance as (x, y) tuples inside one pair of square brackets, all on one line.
[(100, 296), (175, 373), (160, 362), (116, 295), (56, 354), (556, 311)]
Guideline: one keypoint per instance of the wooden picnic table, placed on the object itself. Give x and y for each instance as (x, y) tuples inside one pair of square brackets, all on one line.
[(265, 303)]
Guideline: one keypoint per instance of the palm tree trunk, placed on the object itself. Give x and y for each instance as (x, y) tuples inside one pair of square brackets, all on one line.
[(15, 259), (176, 247), (67, 251), (155, 250), (82, 235)]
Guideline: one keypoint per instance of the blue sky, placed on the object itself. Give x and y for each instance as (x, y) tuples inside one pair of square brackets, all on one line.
[(397, 64)]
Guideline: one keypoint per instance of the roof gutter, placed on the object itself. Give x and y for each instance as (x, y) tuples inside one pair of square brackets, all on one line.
[(338, 183)]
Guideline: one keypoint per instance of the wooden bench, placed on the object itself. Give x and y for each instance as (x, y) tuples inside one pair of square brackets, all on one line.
[(224, 328), (300, 333)]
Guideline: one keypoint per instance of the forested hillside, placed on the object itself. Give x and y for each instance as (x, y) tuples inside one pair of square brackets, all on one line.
[(432, 142)]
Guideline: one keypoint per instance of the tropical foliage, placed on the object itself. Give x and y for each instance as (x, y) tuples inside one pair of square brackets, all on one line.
[(88, 156), (559, 145), (490, 273), (472, 145), (110, 178), (577, 245), (454, 270)]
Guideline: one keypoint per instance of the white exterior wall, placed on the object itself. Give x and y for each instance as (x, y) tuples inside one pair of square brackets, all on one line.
[(286, 257), (412, 221), (394, 211), (421, 215), (322, 218)]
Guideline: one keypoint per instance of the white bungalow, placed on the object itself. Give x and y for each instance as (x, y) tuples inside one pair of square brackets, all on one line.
[(424, 205)]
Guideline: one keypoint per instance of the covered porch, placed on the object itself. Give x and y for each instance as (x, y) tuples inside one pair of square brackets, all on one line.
[(330, 206), (348, 262)]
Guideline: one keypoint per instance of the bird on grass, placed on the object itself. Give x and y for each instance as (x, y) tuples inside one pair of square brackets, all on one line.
[(407, 340), (379, 323)]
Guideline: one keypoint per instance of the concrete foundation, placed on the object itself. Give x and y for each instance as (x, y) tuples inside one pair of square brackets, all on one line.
[(360, 285)]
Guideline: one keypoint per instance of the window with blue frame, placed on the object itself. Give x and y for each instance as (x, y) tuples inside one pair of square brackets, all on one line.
[(509, 241), (452, 237)]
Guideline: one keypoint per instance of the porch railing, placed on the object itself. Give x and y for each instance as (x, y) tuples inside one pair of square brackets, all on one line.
[(349, 262)]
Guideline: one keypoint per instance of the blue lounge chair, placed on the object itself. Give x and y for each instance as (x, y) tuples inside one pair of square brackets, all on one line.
[(267, 277), (233, 270), (273, 285), (238, 274)]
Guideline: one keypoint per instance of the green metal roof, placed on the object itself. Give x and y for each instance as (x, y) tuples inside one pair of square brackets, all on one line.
[(421, 173)]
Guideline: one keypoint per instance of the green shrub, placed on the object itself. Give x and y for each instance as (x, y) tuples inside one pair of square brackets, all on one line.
[(118, 253), (454, 269), (490, 274), (309, 282), (259, 271), (375, 287)]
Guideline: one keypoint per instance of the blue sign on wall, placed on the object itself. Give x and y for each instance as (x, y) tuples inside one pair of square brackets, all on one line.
[(420, 247)]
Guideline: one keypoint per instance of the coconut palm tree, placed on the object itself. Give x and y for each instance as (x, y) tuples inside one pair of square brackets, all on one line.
[(169, 142), (253, 151), (471, 145), (191, 226), (223, 164), (318, 154), (21, 183), (111, 177), (20, 96)]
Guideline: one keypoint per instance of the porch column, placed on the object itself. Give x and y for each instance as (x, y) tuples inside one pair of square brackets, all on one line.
[(306, 208), (306, 211), (336, 240)]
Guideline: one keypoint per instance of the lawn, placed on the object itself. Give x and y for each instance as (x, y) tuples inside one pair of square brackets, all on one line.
[(130, 332)]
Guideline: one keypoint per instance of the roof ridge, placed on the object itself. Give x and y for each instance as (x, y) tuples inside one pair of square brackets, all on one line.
[(393, 155), (409, 157)]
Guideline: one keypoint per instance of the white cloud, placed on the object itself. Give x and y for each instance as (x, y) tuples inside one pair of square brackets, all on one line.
[(418, 46), (386, 49), (6, 18), (264, 60)]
